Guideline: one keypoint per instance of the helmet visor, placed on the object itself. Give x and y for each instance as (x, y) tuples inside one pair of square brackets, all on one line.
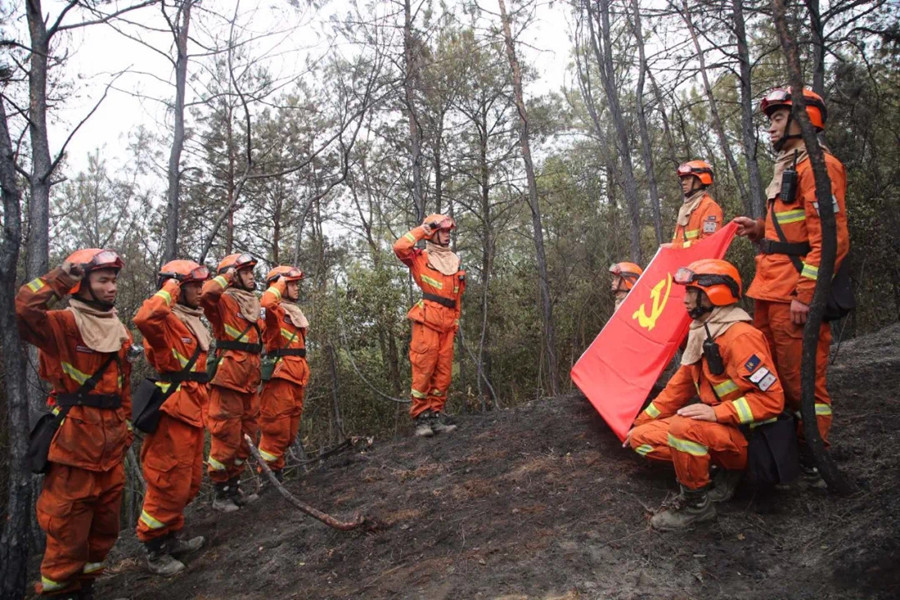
[(199, 274), (105, 259), (244, 260), (685, 170), (774, 98), (685, 276)]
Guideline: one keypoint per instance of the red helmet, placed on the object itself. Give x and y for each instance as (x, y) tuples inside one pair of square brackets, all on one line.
[(629, 272), (700, 169), (719, 279), (781, 97), (289, 273), (440, 222), (94, 259), (184, 271), (238, 261)]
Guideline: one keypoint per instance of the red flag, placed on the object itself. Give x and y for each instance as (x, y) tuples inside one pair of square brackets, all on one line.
[(619, 368)]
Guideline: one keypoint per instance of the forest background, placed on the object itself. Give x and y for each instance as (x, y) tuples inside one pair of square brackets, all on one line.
[(322, 135)]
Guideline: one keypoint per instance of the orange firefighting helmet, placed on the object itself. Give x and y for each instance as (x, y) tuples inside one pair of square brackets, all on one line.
[(94, 259), (718, 279), (289, 273), (184, 271), (629, 272), (238, 261), (440, 222), (781, 97), (700, 169)]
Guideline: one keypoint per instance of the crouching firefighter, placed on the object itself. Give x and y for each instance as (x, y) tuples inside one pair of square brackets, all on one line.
[(84, 357), (234, 312), (175, 342), (285, 370), (728, 364), (435, 319), (623, 277)]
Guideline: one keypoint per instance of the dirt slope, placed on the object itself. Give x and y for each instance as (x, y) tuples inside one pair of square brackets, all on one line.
[(541, 502)]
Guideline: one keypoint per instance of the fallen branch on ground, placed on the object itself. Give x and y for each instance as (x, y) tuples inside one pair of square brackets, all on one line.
[(358, 521)]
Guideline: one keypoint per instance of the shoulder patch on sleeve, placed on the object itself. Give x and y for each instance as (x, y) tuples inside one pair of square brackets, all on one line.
[(752, 363), (710, 225)]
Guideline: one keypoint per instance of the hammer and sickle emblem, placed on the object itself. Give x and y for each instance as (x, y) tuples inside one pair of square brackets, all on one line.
[(648, 321)]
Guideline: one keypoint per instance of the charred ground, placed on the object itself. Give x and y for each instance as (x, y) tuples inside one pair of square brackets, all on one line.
[(542, 502)]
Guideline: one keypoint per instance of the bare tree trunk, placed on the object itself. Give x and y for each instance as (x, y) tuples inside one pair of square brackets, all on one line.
[(817, 26), (533, 203), (14, 540), (748, 129), (836, 480), (602, 45), (180, 32), (410, 81), (642, 124), (667, 131), (718, 126)]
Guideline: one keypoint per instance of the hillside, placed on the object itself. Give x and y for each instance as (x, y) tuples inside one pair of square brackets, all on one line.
[(542, 502)]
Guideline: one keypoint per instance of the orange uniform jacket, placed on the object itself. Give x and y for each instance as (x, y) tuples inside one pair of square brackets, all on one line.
[(169, 346), (89, 438), (238, 370), (747, 392), (279, 330), (703, 222), (777, 280), (431, 314)]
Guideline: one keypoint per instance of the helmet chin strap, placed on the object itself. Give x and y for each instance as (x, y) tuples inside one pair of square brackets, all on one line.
[(96, 302), (784, 138), (698, 311)]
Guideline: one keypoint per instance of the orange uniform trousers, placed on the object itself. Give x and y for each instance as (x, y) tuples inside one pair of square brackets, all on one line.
[(691, 445), (172, 460), (231, 415), (431, 356), (79, 511), (786, 341), (279, 419)]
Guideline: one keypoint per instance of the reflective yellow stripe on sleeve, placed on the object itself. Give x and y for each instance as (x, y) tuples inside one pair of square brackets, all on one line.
[(165, 296), (823, 410), (651, 411), (274, 290), (810, 271), (408, 235), (220, 280), (35, 285), (742, 407)]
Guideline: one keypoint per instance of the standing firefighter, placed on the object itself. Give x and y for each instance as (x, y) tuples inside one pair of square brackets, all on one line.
[(699, 216), (436, 270), (726, 362), (234, 312), (790, 248), (282, 394), (175, 339), (624, 276), (84, 357)]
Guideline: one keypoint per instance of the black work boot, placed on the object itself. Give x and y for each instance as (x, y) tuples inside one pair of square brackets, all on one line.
[(440, 423), (238, 496), (159, 561), (223, 500), (423, 424), (725, 483), (179, 546), (693, 506)]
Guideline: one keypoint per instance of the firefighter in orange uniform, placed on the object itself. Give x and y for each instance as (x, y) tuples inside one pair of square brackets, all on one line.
[(737, 383), (234, 311), (787, 269), (436, 270), (78, 507), (172, 456), (699, 216), (624, 276), (282, 394)]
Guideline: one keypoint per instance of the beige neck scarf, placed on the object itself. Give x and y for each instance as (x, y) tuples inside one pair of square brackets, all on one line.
[(784, 160), (620, 298), (690, 205), (101, 330), (191, 319), (720, 320), (298, 319), (442, 258), (248, 302)]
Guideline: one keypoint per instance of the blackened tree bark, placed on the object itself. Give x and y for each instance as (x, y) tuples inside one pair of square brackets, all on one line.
[(410, 81), (15, 536), (836, 481), (533, 204), (748, 130)]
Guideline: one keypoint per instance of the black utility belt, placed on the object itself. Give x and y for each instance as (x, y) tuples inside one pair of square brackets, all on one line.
[(239, 346), (449, 303), (104, 401), (789, 248), (199, 377), (287, 352)]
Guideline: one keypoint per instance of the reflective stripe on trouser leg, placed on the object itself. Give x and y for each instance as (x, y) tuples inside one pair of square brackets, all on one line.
[(695, 444), (172, 459), (423, 357), (650, 440), (786, 340), (224, 423), (443, 372), (276, 420), (250, 427)]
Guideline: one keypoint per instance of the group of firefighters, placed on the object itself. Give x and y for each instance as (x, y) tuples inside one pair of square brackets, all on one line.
[(84, 355)]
